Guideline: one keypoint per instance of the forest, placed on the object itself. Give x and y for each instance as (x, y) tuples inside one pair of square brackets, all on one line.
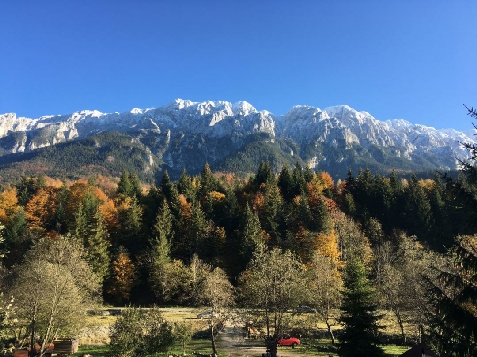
[(408, 244)]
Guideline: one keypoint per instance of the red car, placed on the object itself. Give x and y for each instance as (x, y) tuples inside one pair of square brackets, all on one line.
[(288, 341)]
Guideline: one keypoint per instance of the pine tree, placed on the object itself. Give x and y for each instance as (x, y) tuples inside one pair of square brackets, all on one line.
[(185, 186), (359, 314), (299, 183), (97, 246), (417, 210), (161, 252), (264, 173), (207, 182), (455, 303), (130, 233), (252, 237), (129, 186), (61, 216), (171, 194), (285, 183)]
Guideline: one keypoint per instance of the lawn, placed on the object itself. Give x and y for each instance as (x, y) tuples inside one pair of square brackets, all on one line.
[(97, 345)]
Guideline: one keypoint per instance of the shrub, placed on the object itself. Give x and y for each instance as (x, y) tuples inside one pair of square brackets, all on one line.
[(139, 332)]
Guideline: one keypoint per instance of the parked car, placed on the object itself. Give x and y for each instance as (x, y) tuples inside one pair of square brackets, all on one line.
[(305, 309), (286, 340), (207, 315)]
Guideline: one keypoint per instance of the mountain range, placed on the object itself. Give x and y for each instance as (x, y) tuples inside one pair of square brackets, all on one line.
[(231, 137)]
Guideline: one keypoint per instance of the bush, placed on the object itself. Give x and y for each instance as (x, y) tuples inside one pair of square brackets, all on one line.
[(140, 332)]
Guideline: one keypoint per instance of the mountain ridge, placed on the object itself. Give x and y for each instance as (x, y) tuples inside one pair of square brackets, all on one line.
[(184, 133)]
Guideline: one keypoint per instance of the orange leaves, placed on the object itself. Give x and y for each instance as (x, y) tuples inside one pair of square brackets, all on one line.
[(40, 209), (185, 206), (122, 277), (8, 204), (258, 201)]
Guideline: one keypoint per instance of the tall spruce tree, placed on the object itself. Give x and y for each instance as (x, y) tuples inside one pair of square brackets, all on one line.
[(161, 253), (454, 328), (358, 314)]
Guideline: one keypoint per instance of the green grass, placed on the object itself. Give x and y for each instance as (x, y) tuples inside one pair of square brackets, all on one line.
[(203, 346), (394, 350), (96, 351)]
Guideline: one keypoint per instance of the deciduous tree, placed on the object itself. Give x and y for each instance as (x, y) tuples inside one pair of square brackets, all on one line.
[(54, 287), (272, 283)]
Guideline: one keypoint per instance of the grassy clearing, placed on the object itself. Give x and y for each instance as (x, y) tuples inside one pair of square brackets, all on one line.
[(310, 347), (203, 346)]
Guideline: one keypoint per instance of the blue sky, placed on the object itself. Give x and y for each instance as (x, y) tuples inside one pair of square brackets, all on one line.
[(414, 60)]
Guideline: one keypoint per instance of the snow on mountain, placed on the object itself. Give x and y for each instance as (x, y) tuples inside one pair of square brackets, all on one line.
[(340, 127)]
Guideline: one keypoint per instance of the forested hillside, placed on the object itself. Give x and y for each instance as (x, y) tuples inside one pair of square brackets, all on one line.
[(156, 244)]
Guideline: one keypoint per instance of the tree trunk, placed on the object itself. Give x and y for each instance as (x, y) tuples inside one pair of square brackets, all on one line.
[(212, 338), (32, 352), (400, 323), (272, 342), (330, 331)]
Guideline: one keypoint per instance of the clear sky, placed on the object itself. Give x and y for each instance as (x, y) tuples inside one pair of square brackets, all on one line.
[(415, 60)]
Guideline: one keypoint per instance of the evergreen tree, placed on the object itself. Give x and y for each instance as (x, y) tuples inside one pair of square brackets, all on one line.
[(442, 229), (61, 216), (321, 217), (417, 210), (171, 194), (308, 174), (252, 236), (285, 183), (124, 185), (207, 182), (130, 234), (16, 237), (161, 252), (271, 212), (97, 246), (264, 173), (299, 183), (455, 302), (197, 232), (129, 186), (359, 314), (185, 186), (26, 188)]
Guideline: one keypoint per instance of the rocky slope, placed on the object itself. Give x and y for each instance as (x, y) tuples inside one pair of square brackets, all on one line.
[(186, 134)]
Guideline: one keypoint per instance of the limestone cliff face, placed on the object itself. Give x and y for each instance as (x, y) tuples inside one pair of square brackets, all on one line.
[(182, 129)]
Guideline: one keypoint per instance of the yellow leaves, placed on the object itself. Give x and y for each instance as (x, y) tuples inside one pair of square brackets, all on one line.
[(216, 196), (427, 184), (109, 212), (327, 245), (321, 182), (122, 277), (8, 204)]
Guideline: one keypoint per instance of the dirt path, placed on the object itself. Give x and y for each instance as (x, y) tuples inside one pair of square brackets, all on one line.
[(232, 339)]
